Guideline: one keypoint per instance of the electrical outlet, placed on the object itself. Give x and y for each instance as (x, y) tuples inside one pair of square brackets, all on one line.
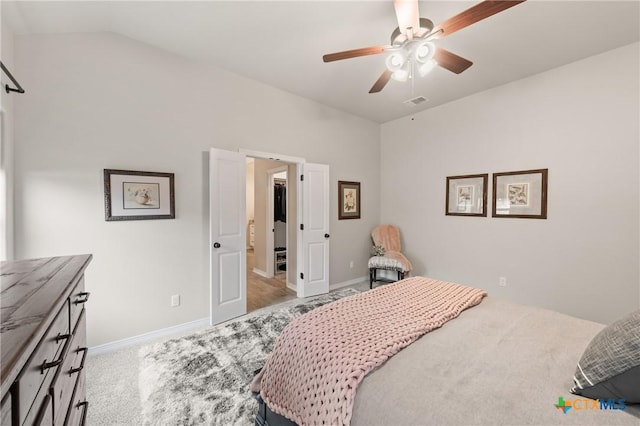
[(351, 264), (502, 281), (175, 300)]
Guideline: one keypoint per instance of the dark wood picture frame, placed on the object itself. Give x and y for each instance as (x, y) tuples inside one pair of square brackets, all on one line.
[(136, 195), (467, 195), (521, 194), (348, 200)]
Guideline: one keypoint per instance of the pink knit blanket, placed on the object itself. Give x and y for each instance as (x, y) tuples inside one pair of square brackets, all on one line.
[(320, 357)]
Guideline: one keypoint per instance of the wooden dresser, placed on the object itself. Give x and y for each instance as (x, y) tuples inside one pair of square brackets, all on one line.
[(43, 341)]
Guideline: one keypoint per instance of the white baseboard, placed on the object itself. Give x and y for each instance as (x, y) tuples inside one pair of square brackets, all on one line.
[(347, 283), (260, 272), (291, 286), (146, 337)]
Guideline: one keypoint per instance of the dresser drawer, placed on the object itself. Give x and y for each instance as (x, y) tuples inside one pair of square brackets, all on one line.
[(5, 411), (45, 414), (78, 411), (36, 336), (66, 378), (77, 300), (35, 378)]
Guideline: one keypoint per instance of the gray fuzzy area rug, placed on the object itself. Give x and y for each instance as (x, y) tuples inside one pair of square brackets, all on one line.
[(203, 378)]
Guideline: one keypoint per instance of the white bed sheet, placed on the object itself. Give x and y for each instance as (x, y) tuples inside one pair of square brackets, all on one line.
[(498, 363)]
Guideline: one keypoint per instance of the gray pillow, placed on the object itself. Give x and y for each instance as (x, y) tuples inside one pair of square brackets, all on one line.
[(610, 366)]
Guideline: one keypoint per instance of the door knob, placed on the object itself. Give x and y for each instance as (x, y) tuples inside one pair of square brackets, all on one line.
[(326, 235), (216, 245)]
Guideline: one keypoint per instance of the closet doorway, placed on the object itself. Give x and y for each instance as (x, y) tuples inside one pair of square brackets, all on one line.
[(271, 219), (276, 214)]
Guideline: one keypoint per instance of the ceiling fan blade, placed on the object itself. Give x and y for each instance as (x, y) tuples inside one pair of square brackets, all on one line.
[(374, 50), (472, 15), (381, 82), (451, 61), (408, 16)]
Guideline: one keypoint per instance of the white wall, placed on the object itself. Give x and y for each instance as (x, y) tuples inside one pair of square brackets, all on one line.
[(250, 191), (249, 195), (98, 101), (292, 230), (581, 122), (6, 143), (261, 181)]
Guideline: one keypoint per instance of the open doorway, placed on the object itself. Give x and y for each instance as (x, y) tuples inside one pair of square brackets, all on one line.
[(228, 229), (271, 232)]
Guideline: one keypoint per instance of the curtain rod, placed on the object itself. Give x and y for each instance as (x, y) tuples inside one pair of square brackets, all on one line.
[(18, 88)]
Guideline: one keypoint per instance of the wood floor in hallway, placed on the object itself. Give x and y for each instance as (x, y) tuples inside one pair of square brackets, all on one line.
[(262, 291)]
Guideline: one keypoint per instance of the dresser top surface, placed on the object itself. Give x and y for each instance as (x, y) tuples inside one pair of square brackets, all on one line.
[(32, 292)]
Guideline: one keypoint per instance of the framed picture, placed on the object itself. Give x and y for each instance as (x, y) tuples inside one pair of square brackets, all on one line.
[(466, 195), (520, 194), (130, 195), (348, 200)]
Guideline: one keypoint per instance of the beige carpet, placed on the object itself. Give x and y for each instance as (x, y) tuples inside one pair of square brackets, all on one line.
[(112, 379), (204, 378)]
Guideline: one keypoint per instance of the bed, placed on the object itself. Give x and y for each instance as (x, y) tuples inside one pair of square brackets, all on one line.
[(496, 363)]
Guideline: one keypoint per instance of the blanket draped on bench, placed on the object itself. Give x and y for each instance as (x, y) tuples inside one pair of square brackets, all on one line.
[(320, 358)]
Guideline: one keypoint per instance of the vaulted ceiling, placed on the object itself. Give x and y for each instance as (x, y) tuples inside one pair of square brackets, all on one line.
[(282, 43)]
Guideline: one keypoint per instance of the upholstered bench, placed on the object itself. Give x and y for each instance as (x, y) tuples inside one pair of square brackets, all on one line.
[(384, 263)]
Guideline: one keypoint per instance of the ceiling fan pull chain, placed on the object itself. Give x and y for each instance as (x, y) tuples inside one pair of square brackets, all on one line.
[(411, 77)]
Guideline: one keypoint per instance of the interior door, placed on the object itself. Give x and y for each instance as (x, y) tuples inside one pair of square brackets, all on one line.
[(314, 262), (227, 205)]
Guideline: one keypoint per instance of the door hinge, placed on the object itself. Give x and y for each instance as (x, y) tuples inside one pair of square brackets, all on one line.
[(302, 226), (301, 276), (301, 178)]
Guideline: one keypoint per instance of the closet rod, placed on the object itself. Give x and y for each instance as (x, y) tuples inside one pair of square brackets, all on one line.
[(19, 88)]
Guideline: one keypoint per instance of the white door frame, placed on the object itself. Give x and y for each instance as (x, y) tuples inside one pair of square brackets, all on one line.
[(270, 243), (300, 165)]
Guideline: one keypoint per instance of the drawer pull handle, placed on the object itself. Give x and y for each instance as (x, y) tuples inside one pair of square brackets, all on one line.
[(62, 337), (47, 365), (82, 297), (84, 357), (85, 407)]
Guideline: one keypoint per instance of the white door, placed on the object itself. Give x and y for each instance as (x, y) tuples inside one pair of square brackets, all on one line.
[(314, 262), (227, 204)]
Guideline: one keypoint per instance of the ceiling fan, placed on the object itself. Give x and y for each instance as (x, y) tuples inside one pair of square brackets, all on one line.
[(411, 42)]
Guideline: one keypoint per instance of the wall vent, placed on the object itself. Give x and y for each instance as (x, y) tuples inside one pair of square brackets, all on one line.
[(415, 101)]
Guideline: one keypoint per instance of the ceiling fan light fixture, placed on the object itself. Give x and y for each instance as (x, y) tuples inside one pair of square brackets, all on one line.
[(424, 52), (411, 51), (400, 75), (396, 61), (427, 67)]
